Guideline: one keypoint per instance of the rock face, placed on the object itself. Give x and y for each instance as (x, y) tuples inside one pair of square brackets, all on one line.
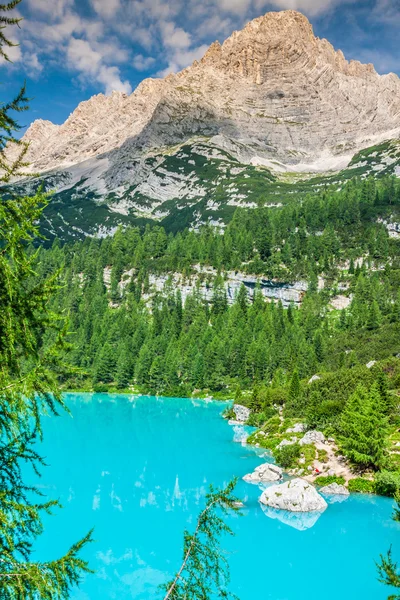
[(272, 95), (264, 473), (311, 437), (334, 489), (296, 496), (242, 412), (297, 428), (274, 86)]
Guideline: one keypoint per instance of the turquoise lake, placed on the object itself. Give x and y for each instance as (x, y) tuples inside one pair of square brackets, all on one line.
[(137, 470)]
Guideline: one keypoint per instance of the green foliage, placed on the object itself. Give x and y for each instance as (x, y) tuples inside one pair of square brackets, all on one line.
[(32, 340), (327, 480), (361, 485), (387, 483), (287, 456), (204, 572), (389, 573), (396, 510), (364, 428)]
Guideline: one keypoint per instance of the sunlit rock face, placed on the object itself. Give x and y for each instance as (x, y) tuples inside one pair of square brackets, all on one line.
[(273, 87), (272, 98)]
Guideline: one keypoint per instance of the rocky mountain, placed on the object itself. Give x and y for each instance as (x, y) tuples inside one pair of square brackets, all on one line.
[(269, 108)]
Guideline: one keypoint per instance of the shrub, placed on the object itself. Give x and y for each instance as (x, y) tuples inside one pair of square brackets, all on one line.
[(327, 480), (272, 425), (287, 456), (387, 483), (361, 485), (257, 419), (100, 388)]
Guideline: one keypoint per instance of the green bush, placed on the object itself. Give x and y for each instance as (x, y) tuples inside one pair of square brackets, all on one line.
[(100, 388), (361, 485), (327, 480), (287, 456), (272, 425), (229, 413), (387, 483), (257, 419)]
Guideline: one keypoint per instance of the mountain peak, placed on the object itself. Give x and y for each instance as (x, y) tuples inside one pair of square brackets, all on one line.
[(273, 88)]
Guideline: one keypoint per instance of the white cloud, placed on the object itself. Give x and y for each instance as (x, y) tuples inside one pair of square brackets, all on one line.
[(142, 63), (174, 37), (89, 62), (32, 64), (54, 9), (387, 11), (310, 7), (182, 59), (106, 8), (235, 6)]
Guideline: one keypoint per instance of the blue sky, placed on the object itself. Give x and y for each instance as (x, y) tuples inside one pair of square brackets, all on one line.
[(71, 49)]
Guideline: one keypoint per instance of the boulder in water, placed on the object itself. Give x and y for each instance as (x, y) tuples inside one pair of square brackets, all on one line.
[(334, 489), (264, 473), (242, 412), (296, 495)]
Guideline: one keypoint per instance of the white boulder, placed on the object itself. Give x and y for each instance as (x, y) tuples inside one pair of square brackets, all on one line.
[(314, 378), (311, 437), (287, 442), (296, 495), (265, 472), (242, 412), (298, 428), (334, 489)]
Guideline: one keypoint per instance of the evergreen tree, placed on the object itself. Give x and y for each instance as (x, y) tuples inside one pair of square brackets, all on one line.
[(204, 573), (374, 316), (107, 364), (364, 428), (28, 380)]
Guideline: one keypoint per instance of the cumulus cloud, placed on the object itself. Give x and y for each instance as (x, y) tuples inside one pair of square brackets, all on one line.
[(183, 58), (143, 63), (106, 8), (310, 7), (89, 62), (174, 37)]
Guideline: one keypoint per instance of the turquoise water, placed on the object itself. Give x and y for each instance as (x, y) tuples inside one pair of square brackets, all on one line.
[(137, 470)]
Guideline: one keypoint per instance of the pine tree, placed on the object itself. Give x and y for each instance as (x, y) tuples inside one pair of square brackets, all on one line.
[(374, 317), (364, 428), (319, 347), (28, 379), (204, 573), (107, 365)]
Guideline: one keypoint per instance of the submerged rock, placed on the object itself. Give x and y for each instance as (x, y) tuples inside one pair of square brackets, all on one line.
[(334, 489), (299, 521), (311, 437), (265, 472), (240, 434), (242, 412), (296, 495)]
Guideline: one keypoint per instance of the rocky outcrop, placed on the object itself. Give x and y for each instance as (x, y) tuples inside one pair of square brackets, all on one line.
[(242, 413), (272, 90), (264, 473), (285, 442), (334, 489), (297, 428), (312, 437), (296, 495)]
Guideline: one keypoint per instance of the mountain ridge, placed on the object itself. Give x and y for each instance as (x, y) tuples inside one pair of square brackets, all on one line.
[(273, 101)]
